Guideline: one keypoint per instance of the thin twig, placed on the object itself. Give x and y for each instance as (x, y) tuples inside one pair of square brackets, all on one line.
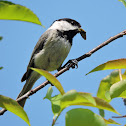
[(33, 91), (119, 116), (121, 34)]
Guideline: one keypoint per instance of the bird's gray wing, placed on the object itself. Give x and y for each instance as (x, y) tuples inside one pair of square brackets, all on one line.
[(39, 46)]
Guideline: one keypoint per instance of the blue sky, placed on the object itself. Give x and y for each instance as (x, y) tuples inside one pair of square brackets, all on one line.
[(100, 19)]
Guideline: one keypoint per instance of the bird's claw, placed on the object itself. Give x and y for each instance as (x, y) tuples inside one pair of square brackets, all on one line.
[(74, 63)]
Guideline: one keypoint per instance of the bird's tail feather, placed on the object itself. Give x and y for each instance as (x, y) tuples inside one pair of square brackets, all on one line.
[(28, 86)]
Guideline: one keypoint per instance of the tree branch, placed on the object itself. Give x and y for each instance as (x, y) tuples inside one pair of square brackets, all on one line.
[(31, 92)]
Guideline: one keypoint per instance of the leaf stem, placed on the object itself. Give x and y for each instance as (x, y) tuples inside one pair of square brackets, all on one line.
[(120, 75), (54, 120)]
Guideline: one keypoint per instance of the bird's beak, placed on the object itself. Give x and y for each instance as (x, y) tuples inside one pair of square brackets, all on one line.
[(83, 33)]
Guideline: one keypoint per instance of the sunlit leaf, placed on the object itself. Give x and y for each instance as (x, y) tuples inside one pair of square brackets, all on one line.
[(110, 121), (11, 11), (107, 82), (117, 89), (55, 101), (101, 104), (124, 2), (12, 106), (51, 78), (113, 64), (104, 87), (49, 93), (83, 117), (73, 97)]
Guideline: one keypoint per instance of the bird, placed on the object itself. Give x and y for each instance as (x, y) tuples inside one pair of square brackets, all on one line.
[(50, 51)]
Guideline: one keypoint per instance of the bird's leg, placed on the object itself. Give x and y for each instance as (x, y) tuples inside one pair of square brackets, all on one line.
[(74, 63)]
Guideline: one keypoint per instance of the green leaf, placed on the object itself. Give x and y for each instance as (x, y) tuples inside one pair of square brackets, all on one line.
[(110, 121), (73, 97), (55, 101), (124, 2), (1, 68), (102, 104), (51, 78), (107, 82), (117, 89), (1, 37), (83, 117), (11, 11), (12, 106), (113, 64), (49, 93), (101, 112)]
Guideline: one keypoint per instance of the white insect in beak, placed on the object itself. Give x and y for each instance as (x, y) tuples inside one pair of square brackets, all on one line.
[(83, 33)]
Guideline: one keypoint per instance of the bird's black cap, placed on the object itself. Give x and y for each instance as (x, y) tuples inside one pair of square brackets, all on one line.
[(71, 21)]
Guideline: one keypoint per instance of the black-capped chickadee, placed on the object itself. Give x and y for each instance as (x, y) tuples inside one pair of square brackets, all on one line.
[(51, 50)]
